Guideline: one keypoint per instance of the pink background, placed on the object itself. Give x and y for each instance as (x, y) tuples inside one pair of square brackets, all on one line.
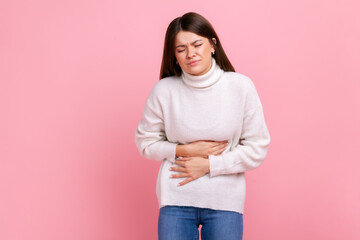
[(74, 76)]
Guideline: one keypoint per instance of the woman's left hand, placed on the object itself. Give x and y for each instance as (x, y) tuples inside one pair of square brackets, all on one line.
[(190, 168)]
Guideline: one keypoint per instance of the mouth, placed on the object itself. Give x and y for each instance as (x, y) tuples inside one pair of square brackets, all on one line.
[(193, 63)]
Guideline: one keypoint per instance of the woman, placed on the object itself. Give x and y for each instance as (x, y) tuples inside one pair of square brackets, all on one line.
[(206, 124)]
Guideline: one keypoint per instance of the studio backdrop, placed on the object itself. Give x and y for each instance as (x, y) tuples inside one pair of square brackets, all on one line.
[(74, 78)]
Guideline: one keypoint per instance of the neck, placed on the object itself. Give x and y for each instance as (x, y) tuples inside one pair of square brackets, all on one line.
[(206, 80)]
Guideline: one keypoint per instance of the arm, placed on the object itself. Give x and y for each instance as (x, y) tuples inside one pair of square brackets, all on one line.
[(195, 162), (248, 154), (150, 137), (151, 141), (253, 145), (201, 148)]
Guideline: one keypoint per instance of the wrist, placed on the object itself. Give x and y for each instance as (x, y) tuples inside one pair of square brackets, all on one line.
[(181, 150), (207, 165)]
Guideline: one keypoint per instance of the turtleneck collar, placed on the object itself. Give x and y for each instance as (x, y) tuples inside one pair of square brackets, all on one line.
[(203, 81)]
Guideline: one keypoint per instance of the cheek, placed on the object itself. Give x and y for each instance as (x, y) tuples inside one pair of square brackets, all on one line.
[(205, 51), (179, 58)]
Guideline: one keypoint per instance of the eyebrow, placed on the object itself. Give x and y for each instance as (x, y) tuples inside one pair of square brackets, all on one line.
[(182, 45)]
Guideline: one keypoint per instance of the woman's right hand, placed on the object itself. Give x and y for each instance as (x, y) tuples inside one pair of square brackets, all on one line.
[(201, 148)]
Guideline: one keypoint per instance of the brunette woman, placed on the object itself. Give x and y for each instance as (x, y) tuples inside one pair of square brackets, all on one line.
[(205, 123)]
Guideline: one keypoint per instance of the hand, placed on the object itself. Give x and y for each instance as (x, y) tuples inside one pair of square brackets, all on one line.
[(201, 148), (190, 168)]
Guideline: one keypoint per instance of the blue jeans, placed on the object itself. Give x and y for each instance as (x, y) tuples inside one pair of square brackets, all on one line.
[(181, 223)]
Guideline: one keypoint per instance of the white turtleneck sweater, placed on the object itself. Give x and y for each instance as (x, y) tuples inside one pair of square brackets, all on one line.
[(215, 106)]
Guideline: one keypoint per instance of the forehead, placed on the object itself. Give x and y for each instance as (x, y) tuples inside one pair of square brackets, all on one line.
[(184, 37)]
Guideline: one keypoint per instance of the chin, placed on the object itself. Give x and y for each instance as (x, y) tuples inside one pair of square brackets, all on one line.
[(195, 71)]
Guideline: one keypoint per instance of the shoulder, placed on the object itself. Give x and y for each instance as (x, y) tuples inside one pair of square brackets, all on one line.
[(243, 85), (164, 86), (238, 80)]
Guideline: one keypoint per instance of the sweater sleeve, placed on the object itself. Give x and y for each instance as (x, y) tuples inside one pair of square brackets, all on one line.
[(150, 137), (251, 149)]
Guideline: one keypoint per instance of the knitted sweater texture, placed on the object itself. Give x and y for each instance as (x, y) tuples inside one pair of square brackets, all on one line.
[(215, 106)]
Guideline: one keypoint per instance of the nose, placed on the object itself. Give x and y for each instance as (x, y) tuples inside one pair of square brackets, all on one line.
[(190, 52)]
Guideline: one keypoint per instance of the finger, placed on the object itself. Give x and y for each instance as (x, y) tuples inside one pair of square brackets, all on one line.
[(220, 144), (180, 175), (218, 152), (186, 181), (178, 169), (185, 159), (180, 162), (215, 144), (223, 149), (218, 148)]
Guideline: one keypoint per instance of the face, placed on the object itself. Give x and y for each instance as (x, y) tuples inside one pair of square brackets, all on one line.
[(193, 52)]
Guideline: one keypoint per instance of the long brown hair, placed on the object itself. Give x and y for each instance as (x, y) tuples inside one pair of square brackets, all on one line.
[(192, 22)]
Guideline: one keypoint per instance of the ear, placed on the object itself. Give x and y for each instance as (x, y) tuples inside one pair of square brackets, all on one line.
[(214, 40), (213, 45)]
